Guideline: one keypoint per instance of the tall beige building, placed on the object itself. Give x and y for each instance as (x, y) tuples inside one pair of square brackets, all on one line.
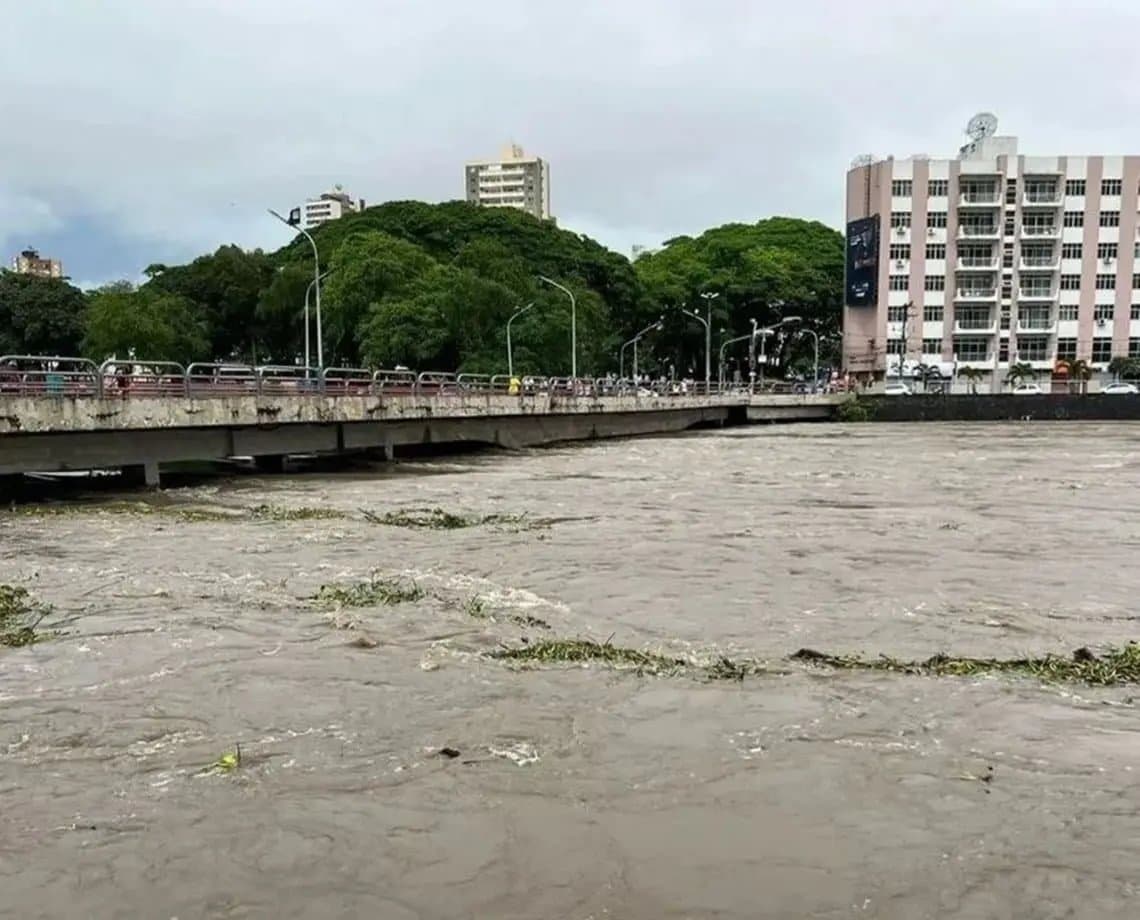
[(991, 258), (515, 180), (29, 262)]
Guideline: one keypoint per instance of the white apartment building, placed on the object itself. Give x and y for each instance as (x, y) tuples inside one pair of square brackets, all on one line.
[(331, 205), (515, 180), (991, 258), (29, 262)]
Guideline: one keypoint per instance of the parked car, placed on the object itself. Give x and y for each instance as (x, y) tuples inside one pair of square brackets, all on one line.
[(1027, 389), (896, 389), (1120, 388)]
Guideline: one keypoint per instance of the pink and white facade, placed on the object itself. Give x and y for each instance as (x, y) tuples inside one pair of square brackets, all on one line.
[(995, 258)]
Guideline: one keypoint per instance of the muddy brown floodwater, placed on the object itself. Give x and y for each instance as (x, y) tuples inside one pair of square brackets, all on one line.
[(582, 792)]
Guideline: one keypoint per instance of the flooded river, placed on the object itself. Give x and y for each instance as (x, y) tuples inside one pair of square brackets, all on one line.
[(571, 791)]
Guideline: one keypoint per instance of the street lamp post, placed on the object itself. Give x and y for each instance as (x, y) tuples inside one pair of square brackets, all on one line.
[(510, 357), (316, 281), (723, 346), (815, 336), (708, 297), (573, 323), (621, 357), (309, 291)]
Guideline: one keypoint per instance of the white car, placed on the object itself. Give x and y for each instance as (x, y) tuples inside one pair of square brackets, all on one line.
[(1120, 388), (896, 389), (1027, 389)]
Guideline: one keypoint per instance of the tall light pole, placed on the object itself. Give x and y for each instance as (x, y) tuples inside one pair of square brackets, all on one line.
[(510, 356), (573, 323), (308, 291), (621, 357), (316, 279), (815, 336), (708, 343), (708, 297), (723, 346)]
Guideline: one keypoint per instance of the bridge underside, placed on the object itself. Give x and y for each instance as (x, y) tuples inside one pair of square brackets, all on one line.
[(149, 447)]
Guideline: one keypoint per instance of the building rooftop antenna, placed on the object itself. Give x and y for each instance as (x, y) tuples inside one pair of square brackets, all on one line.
[(981, 126)]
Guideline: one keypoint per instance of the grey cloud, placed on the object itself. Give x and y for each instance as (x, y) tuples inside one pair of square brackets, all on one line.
[(176, 124)]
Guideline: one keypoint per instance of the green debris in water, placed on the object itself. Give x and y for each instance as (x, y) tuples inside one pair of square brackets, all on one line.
[(1116, 666), (227, 763), (20, 617), (479, 609), (189, 514), (580, 651), (476, 608), (439, 519), (375, 592), (277, 513)]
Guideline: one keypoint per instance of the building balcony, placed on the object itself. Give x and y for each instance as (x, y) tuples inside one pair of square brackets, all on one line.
[(972, 326), (1046, 199), (979, 231), (976, 294), (978, 263), (1034, 293), (1040, 263), (980, 199), (1040, 232), (985, 363), (1037, 327)]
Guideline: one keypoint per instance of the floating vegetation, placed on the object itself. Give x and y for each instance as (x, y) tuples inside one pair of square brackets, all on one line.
[(277, 513), (227, 763), (584, 651), (186, 513), (477, 608), (1116, 666), (20, 617), (375, 592), (439, 519)]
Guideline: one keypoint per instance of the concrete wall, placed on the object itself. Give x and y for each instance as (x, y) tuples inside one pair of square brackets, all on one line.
[(995, 408)]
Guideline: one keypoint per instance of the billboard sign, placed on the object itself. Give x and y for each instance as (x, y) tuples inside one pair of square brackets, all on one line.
[(863, 262)]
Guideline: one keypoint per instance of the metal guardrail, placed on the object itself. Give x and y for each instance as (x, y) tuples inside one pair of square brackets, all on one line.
[(56, 376)]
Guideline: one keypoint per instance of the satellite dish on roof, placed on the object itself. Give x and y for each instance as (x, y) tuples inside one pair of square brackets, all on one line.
[(982, 125)]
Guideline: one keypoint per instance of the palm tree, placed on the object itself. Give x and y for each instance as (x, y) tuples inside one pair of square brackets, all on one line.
[(1078, 371), (1018, 372), (973, 375)]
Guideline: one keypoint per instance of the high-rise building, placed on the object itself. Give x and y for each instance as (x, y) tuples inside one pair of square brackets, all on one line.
[(512, 181), (29, 262), (991, 259), (331, 205)]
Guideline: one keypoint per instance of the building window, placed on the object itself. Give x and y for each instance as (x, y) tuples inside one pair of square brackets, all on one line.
[(1106, 282), (1136, 282), (1011, 191), (1033, 348), (1003, 351), (1007, 260), (901, 188), (1075, 187), (1068, 311), (1103, 312), (1106, 251), (900, 219), (1110, 218), (972, 348), (932, 346), (1111, 186), (1074, 219), (900, 282), (900, 250), (937, 188), (1134, 313), (936, 282), (1070, 282), (1134, 348), (932, 313), (1004, 320), (1010, 226), (1136, 252), (1067, 349), (896, 347), (1071, 250), (896, 314), (936, 250), (936, 219), (1102, 349), (1006, 290)]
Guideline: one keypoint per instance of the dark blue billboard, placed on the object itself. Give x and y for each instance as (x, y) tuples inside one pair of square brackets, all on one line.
[(863, 262)]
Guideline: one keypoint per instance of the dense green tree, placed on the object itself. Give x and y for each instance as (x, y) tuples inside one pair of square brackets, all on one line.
[(147, 324), (226, 287), (280, 316), (40, 316)]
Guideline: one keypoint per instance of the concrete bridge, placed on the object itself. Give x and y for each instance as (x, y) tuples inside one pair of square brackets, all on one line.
[(41, 432)]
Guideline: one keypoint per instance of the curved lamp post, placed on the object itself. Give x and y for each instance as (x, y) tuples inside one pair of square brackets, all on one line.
[(308, 291), (573, 323), (316, 281), (707, 323), (723, 346), (815, 336), (510, 356), (659, 324)]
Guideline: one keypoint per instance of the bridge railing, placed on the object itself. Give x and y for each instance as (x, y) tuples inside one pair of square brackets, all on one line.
[(203, 379), (122, 379), (346, 381), (397, 382), (38, 375)]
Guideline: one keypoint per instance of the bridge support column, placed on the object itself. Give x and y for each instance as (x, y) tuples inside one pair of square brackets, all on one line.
[(142, 474), (270, 463)]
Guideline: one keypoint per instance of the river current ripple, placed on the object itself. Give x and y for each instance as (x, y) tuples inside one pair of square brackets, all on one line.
[(586, 792)]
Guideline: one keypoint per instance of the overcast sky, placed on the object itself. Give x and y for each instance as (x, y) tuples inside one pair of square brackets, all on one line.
[(139, 131)]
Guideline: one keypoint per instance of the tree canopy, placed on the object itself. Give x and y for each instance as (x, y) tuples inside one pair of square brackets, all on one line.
[(433, 286)]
